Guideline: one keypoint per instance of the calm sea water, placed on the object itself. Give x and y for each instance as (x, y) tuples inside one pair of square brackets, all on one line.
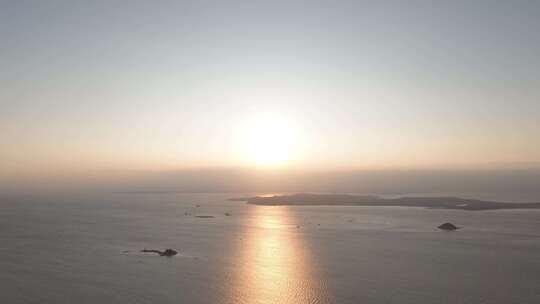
[(85, 249)]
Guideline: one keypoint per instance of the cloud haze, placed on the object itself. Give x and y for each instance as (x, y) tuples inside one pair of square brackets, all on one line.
[(169, 85)]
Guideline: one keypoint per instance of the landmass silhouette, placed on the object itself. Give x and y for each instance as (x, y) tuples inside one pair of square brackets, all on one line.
[(310, 199)]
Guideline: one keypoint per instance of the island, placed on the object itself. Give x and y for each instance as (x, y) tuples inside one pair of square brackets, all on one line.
[(167, 252), (310, 199), (448, 227)]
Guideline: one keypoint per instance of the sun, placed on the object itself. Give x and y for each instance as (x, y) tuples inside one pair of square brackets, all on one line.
[(270, 141)]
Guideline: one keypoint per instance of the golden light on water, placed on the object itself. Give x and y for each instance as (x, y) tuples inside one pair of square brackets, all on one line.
[(275, 265)]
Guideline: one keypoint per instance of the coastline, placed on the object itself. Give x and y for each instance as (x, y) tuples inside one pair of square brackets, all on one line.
[(308, 199)]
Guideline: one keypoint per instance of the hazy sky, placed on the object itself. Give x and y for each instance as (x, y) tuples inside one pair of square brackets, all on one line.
[(334, 84)]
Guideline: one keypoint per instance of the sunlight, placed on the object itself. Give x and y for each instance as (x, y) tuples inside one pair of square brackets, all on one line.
[(274, 264), (270, 141)]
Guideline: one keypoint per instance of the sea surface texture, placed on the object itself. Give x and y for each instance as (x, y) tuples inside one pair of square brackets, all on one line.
[(86, 249)]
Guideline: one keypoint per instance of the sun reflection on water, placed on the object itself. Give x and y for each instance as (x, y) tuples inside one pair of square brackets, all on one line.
[(275, 266)]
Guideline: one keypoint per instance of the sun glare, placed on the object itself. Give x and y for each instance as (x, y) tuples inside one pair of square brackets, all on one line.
[(270, 141)]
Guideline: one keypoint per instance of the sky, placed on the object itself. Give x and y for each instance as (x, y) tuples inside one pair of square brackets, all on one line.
[(309, 85)]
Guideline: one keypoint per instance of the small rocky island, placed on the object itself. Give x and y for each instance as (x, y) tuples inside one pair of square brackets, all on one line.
[(448, 227), (167, 252)]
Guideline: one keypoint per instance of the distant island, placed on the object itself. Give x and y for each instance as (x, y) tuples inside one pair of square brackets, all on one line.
[(309, 199)]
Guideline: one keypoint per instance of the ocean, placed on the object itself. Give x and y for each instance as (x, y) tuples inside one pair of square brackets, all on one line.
[(85, 248)]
